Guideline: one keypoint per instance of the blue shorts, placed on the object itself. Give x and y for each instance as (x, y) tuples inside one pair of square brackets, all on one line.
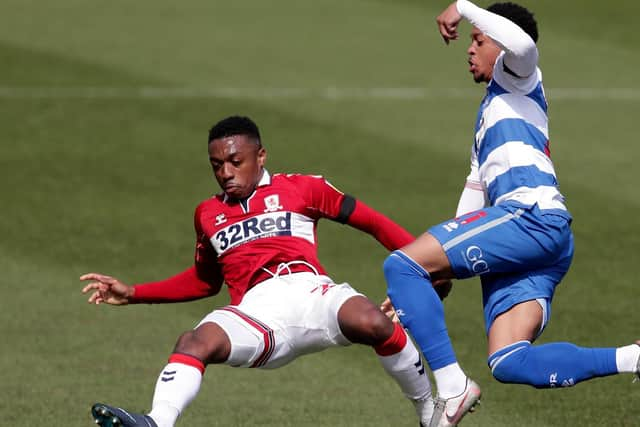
[(520, 253)]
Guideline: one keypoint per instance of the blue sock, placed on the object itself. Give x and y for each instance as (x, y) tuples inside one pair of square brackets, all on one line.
[(419, 308), (552, 365)]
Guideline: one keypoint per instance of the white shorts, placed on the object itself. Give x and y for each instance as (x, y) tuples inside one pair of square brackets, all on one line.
[(283, 318)]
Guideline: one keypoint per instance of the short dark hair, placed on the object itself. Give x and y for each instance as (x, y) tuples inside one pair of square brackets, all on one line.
[(519, 15), (235, 125)]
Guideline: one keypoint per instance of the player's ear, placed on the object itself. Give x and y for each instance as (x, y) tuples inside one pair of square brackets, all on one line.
[(262, 156)]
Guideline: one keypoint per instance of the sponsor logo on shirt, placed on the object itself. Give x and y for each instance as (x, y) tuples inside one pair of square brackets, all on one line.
[(257, 227)]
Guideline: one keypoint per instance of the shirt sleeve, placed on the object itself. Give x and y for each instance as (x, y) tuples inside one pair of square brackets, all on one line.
[(521, 52), (201, 280), (331, 203), (184, 286), (472, 197), (391, 235), (323, 199)]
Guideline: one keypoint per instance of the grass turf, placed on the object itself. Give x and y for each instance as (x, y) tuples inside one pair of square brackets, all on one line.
[(98, 174)]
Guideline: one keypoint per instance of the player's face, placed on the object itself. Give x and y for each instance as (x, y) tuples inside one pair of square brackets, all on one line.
[(483, 53), (237, 163)]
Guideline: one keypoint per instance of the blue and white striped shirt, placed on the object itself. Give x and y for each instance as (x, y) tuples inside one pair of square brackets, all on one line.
[(510, 158)]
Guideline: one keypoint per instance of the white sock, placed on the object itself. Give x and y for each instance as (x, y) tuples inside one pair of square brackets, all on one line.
[(177, 386), (627, 358), (406, 368), (450, 380)]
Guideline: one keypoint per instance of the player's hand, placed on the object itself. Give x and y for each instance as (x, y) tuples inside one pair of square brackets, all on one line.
[(448, 22), (387, 308), (106, 289), (442, 287)]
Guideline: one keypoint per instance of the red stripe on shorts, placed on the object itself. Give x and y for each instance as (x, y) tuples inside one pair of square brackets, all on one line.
[(267, 335)]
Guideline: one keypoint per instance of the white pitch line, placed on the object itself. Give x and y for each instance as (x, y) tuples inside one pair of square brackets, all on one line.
[(329, 93)]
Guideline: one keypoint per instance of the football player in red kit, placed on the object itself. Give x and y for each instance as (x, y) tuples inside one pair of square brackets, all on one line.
[(258, 236)]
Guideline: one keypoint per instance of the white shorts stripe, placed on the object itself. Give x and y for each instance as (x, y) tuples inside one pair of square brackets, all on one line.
[(484, 227)]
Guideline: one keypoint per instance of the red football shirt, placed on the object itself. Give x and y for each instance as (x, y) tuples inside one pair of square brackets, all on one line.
[(240, 242)]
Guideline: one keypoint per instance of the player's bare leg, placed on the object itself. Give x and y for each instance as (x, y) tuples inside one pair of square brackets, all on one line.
[(178, 383), (362, 322), (521, 323)]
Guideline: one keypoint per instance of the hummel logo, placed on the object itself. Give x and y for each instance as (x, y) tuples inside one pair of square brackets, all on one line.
[(399, 313), (325, 288), (220, 219), (168, 378)]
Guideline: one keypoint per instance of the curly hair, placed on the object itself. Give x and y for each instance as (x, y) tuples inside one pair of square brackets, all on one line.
[(235, 125), (519, 15)]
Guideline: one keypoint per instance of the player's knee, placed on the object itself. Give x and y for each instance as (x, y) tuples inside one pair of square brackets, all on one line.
[(362, 322), (393, 266), (378, 325), (203, 345), (188, 343), (372, 328)]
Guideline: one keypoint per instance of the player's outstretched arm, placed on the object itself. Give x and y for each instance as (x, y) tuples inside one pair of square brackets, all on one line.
[(106, 289)]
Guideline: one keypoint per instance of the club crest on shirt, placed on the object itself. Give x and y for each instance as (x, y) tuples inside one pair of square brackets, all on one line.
[(220, 219), (272, 203)]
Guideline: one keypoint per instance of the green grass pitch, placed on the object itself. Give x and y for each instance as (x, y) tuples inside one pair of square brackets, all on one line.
[(104, 112)]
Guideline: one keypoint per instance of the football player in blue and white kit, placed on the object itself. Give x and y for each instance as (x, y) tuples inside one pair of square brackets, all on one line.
[(512, 228)]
